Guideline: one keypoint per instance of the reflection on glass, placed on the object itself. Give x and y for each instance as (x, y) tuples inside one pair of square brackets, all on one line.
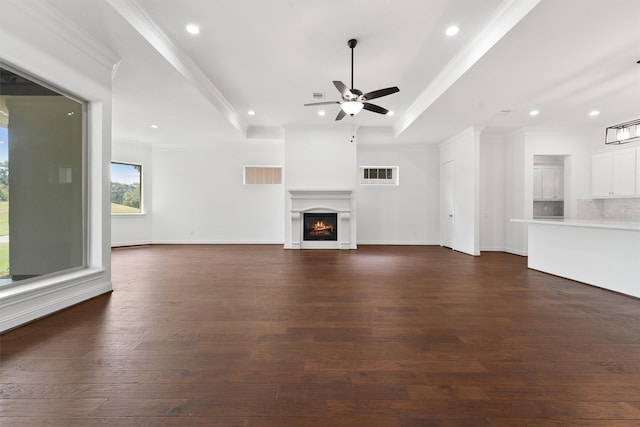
[(41, 180)]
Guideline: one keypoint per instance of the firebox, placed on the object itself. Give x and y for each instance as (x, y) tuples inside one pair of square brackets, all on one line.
[(320, 226)]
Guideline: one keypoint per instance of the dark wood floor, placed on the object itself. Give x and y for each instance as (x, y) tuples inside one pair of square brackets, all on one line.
[(379, 337)]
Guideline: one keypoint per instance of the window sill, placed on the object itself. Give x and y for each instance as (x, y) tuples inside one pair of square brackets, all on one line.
[(140, 215)]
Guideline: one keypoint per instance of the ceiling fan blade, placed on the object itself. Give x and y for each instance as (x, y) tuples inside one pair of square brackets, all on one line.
[(322, 103), (342, 88), (375, 108), (380, 93), (341, 115)]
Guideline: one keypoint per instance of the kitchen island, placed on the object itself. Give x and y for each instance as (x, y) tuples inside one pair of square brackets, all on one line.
[(600, 253)]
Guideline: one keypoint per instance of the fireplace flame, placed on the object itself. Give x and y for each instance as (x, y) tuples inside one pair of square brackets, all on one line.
[(320, 227)]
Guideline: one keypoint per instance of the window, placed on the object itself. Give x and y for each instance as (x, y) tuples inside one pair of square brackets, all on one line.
[(126, 188), (42, 179), (262, 175), (379, 175)]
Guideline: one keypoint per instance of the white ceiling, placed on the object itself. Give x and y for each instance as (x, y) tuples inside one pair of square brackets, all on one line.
[(562, 57)]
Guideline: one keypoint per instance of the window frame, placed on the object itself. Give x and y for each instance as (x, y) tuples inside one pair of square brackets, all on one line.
[(124, 214), (246, 167), (85, 106), (366, 179)]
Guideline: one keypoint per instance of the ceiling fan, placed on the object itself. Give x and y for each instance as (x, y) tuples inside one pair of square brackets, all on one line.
[(353, 100)]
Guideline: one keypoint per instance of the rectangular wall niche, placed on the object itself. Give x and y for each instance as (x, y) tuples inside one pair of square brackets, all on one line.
[(320, 226)]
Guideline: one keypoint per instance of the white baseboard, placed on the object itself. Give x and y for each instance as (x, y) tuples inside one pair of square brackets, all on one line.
[(492, 249), (25, 303), (132, 243), (516, 252), (397, 243), (214, 242)]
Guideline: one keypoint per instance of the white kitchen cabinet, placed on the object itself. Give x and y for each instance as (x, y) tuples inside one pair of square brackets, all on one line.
[(548, 183), (624, 173), (613, 174), (601, 175), (537, 183)]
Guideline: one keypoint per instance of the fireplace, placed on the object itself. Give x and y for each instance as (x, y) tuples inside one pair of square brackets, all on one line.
[(320, 226), (320, 219)]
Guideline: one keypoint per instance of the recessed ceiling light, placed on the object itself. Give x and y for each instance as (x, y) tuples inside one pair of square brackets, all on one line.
[(154, 126), (534, 112), (321, 113), (251, 113), (70, 113), (390, 113), (193, 29), (594, 113), (452, 30)]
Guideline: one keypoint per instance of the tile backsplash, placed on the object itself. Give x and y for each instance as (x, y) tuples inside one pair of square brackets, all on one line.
[(549, 208), (626, 210)]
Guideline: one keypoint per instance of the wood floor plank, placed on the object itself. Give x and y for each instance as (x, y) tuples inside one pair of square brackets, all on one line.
[(385, 336)]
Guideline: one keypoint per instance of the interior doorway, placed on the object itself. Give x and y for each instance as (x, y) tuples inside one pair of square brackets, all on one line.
[(548, 186)]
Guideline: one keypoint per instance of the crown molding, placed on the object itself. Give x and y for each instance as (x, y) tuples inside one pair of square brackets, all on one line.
[(470, 132), (504, 18), (68, 30), (140, 20)]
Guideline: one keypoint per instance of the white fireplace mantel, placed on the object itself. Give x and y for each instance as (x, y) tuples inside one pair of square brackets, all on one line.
[(319, 201)]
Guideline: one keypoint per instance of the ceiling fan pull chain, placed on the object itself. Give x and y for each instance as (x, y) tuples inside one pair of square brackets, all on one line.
[(353, 132)]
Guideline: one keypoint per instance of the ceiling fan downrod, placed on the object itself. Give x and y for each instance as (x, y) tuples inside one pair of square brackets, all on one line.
[(352, 44)]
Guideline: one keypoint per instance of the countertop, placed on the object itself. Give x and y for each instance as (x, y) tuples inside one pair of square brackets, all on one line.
[(583, 223)]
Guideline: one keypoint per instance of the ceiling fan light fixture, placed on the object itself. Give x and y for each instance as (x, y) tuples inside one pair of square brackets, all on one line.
[(352, 107)]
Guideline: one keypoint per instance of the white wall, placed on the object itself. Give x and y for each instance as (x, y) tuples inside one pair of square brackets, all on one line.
[(520, 149), (407, 214), (127, 230), (464, 150), (319, 158), (33, 41), (515, 233), (197, 194), (492, 192), (199, 197), (577, 145)]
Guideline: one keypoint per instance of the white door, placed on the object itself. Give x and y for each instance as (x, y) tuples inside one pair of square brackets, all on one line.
[(446, 204)]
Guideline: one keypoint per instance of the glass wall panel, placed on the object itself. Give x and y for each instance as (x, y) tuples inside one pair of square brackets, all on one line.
[(42, 226)]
